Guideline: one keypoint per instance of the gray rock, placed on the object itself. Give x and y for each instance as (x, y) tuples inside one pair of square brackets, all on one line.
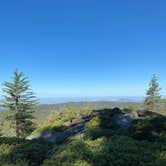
[(125, 120), (54, 136)]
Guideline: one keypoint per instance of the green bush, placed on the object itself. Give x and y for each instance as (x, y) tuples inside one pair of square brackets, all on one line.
[(102, 125), (81, 163), (143, 129), (130, 108), (19, 152), (117, 151), (97, 133)]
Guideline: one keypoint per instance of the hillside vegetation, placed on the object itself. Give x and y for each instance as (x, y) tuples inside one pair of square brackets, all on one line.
[(103, 142), (41, 112), (81, 134)]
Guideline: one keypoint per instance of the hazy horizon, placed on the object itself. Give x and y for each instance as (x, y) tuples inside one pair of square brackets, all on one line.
[(57, 100)]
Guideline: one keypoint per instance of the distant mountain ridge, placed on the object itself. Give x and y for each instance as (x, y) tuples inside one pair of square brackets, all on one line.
[(56, 100)]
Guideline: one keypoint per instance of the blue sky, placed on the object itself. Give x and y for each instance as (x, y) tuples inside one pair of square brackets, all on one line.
[(84, 48)]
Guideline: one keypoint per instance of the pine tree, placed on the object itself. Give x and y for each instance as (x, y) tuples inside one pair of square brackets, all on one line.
[(152, 101), (20, 99)]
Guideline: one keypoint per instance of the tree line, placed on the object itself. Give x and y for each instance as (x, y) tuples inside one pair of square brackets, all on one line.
[(19, 98)]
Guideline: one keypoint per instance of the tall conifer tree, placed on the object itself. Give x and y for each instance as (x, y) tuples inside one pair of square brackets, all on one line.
[(20, 99), (153, 97)]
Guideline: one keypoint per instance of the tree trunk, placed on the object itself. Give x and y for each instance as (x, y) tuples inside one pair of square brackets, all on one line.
[(17, 126), (17, 119)]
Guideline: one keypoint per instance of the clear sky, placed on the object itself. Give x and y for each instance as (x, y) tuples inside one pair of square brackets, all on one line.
[(84, 47)]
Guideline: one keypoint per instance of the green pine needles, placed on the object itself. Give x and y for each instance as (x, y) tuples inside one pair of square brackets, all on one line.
[(153, 100), (20, 99)]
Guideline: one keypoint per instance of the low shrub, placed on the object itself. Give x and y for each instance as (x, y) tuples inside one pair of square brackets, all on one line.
[(19, 152), (148, 129), (117, 151)]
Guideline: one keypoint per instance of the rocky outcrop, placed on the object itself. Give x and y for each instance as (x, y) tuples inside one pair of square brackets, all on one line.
[(124, 120), (75, 127)]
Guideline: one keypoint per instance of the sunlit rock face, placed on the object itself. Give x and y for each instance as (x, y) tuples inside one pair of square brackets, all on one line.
[(54, 136)]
